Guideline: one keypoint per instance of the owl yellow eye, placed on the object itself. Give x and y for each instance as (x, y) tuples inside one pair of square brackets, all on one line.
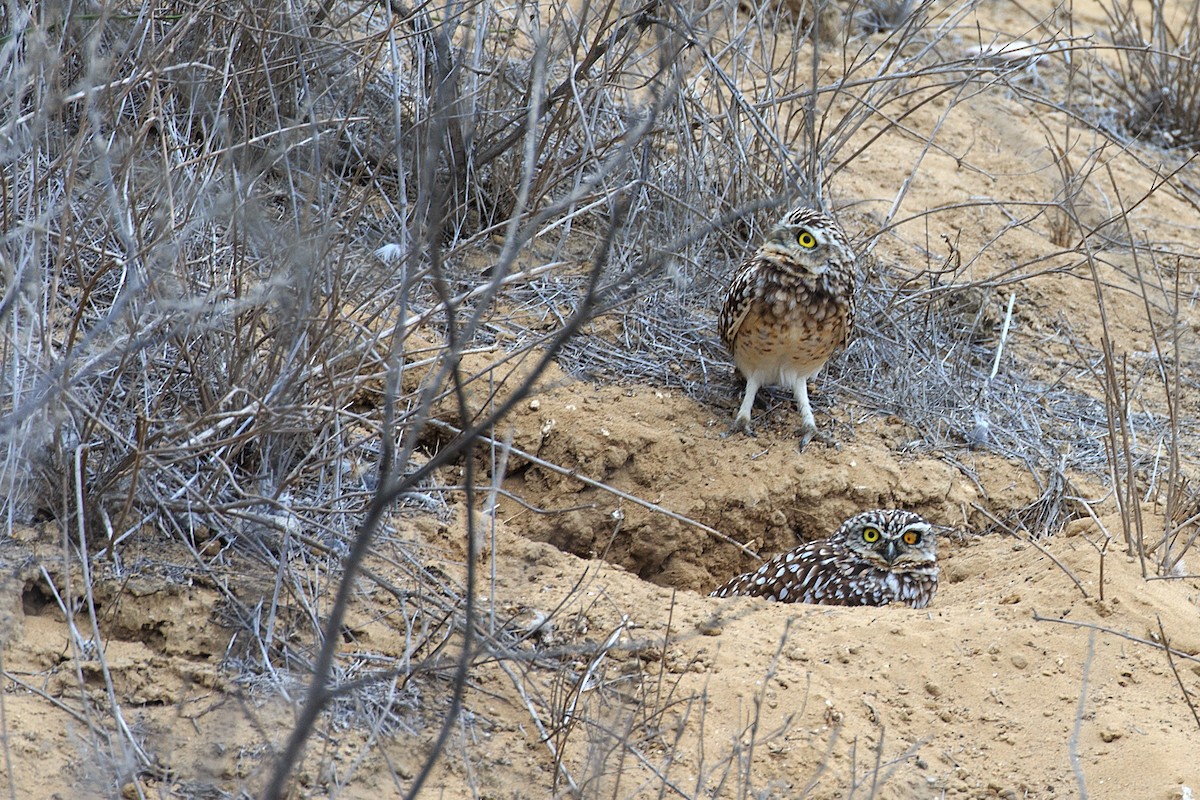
[(870, 535), (912, 537), (806, 240)]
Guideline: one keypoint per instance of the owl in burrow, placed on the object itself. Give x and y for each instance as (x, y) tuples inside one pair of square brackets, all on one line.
[(874, 558), (790, 305)]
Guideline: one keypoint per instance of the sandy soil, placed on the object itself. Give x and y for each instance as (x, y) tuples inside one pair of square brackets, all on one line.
[(1036, 670), (1018, 675)]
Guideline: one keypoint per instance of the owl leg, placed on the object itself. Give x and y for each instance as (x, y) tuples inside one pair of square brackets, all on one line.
[(742, 421), (808, 425)]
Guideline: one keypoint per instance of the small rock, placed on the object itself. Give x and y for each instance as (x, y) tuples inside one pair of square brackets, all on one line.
[(1019, 661)]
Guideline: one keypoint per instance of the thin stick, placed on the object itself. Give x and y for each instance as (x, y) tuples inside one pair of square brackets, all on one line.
[(595, 484), (1076, 624), (1012, 298), (4, 736), (537, 722), (1073, 744), (1036, 544), (1187, 698), (79, 717)]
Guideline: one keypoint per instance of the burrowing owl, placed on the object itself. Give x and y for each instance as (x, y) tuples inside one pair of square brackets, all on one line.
[(790, 306), (874, 558)]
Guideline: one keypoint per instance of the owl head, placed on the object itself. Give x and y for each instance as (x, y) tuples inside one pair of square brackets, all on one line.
[(811, 239), (893, 540)]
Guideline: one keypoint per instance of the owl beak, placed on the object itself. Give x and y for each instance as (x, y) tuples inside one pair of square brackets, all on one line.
[(891, 551)]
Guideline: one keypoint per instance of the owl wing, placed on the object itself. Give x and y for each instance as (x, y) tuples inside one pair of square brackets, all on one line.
[(846, 290), (738, 301), (817, 572)]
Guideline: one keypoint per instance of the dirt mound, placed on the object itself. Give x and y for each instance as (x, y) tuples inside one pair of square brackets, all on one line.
[(761, 492), (1019, 674), (166, 641)]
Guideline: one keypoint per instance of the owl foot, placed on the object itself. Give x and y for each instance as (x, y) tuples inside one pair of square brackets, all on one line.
[(808, 433), (740, 424)]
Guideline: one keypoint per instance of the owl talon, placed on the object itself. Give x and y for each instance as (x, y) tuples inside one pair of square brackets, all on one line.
[(806, 435), (740, 425)]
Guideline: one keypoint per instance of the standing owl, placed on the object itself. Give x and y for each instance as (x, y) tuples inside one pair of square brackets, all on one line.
[(790, 305), (874, 558)]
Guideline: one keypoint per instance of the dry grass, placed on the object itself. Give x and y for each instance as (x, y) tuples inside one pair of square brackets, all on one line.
[(1154, 86), (200, 341)]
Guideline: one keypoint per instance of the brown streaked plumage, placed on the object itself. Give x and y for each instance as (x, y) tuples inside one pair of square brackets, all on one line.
[(790, 306), (872, 559)]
